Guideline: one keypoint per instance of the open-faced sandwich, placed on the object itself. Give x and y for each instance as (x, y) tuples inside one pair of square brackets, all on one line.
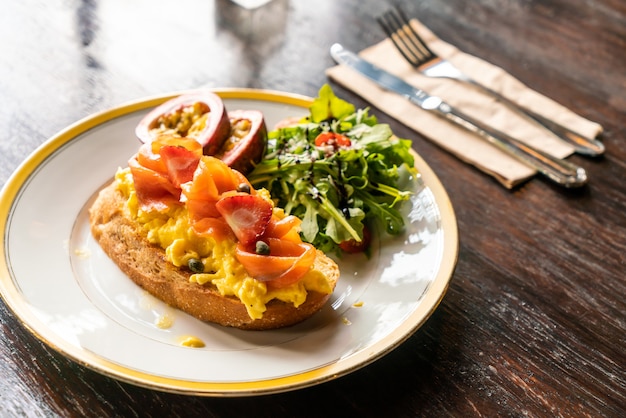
[(192, 231)]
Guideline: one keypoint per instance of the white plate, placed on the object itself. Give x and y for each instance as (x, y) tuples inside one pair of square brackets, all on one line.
[(62, 287)]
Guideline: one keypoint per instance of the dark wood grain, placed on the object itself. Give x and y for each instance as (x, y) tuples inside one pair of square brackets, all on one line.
[(534, 321)]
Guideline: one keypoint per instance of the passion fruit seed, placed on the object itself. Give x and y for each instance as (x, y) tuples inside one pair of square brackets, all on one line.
[(244, 188), (195, 265), (262, 248), (184, 120)]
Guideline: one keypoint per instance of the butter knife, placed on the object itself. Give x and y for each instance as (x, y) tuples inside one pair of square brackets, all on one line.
[(562, 172)]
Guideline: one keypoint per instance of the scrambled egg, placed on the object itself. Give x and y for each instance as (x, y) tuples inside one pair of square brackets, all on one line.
[(172, 231)]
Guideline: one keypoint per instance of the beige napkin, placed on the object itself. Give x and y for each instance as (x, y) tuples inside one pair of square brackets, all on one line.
[(471, 101)]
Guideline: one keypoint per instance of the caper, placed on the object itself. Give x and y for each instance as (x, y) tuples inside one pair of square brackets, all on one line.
[(244, 188), (262, 248), (195, 265)]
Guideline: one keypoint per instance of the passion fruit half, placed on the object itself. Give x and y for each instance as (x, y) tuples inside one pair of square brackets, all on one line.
[(199, 115), (247, 141)]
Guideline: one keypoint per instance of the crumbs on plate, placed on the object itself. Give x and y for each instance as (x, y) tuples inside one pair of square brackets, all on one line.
[(82, 252)]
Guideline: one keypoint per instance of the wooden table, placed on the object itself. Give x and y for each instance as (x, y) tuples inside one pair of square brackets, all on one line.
[(534, 321)]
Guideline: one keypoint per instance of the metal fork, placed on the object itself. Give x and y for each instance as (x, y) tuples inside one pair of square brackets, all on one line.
[(413, 48)]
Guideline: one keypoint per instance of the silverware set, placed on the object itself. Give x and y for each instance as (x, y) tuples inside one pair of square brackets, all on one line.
[(408, 42), (412, 47)]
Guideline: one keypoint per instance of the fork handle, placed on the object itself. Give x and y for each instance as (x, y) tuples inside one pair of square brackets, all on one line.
[(560, 171), (582, 144)]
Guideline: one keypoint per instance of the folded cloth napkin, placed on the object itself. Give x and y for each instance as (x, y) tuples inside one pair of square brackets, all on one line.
[(465, 145)]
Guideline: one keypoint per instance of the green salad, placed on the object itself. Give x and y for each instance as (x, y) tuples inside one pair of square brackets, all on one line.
[(338, 170)]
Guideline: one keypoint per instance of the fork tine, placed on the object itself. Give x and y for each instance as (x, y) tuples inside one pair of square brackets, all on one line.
[(407, 41), (398, 41), (413, 36)]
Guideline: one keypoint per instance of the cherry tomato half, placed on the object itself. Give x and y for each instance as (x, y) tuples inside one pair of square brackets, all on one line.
[(334, 139), (352, 246)]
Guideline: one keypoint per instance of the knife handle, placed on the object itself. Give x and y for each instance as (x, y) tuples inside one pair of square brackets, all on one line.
[(562, 172), (582, 145)]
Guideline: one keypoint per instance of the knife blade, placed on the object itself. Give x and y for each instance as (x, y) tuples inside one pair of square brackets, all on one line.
[(560, 171)]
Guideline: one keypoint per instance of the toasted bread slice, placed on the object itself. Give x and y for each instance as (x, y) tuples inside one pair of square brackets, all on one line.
[(122, 240)]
